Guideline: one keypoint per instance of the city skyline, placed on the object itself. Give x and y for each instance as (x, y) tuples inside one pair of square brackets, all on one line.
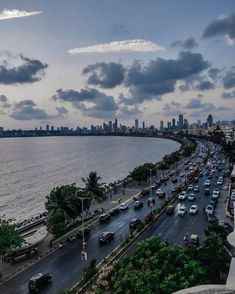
[(97, 63)]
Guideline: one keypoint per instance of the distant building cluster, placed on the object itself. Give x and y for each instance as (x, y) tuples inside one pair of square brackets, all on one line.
[(113, 128)]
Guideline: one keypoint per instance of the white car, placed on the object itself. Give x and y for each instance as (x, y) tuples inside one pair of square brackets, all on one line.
[(233, 197), (158, 192), (215, 194), (190, 187), (123, 206), (173, 189), (209, 209), (193, 209), (182, 195), (219, 182), (191, 197), (196, 189), (207, 183), (182, 210)]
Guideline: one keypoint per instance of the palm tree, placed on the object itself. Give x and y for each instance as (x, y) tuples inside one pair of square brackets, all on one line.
[(95, 190), (61, 207)]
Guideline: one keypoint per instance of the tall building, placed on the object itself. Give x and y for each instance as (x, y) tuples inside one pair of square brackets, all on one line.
[(173, 122), (181, 121), (199, 123), (47, 128), (110, 126), (209, 121), (143, 125), (136, 124), (168, 125), (186, 124), (161, 125), (115, 125)]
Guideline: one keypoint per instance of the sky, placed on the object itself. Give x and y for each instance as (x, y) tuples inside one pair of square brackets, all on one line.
[(82, 62)]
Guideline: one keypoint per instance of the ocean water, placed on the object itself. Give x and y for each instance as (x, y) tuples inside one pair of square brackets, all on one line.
[(31, 167)]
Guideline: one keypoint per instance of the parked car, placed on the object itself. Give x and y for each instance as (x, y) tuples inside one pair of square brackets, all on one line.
[(211, 217), (196, 180), (106, 237), (134, 223), (39, 282), (151, 201), (103, 218), (170, 210), (194, 240), (190, 188), (138, 204), (207, 183), (215, 194), (124, 206), (227, 228), (161, 194), (173, 189), (174, 180), (193, 209), (182, 210), (114, 211), (158, 192), (182, 195)]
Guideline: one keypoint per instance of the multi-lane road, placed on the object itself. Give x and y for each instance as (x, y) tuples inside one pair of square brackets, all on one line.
[(65, 264)]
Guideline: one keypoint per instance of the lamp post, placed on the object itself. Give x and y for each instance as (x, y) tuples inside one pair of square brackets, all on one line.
[(150, 191)]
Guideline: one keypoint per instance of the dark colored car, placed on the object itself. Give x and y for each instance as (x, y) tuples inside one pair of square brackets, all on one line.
[(211, 217), (114, 211), (106, 237), (103, 218), (174, 180), (207, 191), (227, 228), (196, 180), (170, 210), (134, 223), (138, 204), (39, 282)]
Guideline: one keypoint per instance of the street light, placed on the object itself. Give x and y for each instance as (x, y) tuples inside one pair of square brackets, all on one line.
[(83, 252)]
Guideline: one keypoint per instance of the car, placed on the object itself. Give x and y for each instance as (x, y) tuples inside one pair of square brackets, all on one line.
[(233, 197), (194, 240), (227, 228), (207, 191), (191, 197), (193, 209), (161, 194), (170, 210), (196, 180), (219, 182), (211, 217), (174, 180), (39, 282), (216, 190), (209, 209), (223, 161), (103, 218), (196, 189), (138, 204), (182, 210), (134, 223), (87, 231), (215, 194), (151, 201), (106, 237), (190, 188), (114, 211), (181, 175), (124, 206), (158, 191), (209, 176), (213, 202), (173, 189), (207, 183), (182, 195)]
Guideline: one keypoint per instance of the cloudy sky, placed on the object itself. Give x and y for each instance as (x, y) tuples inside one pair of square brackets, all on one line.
[(82, 62)]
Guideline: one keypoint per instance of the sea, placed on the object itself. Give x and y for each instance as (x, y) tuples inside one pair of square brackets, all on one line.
[(31, 167)]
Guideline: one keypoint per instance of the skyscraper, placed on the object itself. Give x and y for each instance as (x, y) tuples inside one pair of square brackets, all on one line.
[(181, 121), (115, 125), (209, 121), (136, 124), (173, 122), (161, 125), (143, 125)]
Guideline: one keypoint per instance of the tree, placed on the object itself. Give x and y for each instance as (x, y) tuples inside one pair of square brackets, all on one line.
[(94, 189), (142, 172), (9, 239), (155, 268), (62, 207)]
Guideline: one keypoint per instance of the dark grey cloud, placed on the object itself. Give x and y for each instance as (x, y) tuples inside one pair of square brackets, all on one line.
[(61, 110), (119, 29), (28, 71), (229, 78), (28, 110), (194, 103), (105, 75), (173, 109), (125, 111), (207, 108), (213, 73), (160, 76), (205, 85), (228, 95), (223, 26), (91, 102), (188, 44), (4, 102)]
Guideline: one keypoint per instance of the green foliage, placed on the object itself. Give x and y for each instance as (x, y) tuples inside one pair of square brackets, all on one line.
[(142, 172), (90, 271), (9, 239), (156, 268)]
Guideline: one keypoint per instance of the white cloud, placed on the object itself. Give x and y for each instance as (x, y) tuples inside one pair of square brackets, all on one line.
[(137, 45), (229, 40), (15, 13)]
